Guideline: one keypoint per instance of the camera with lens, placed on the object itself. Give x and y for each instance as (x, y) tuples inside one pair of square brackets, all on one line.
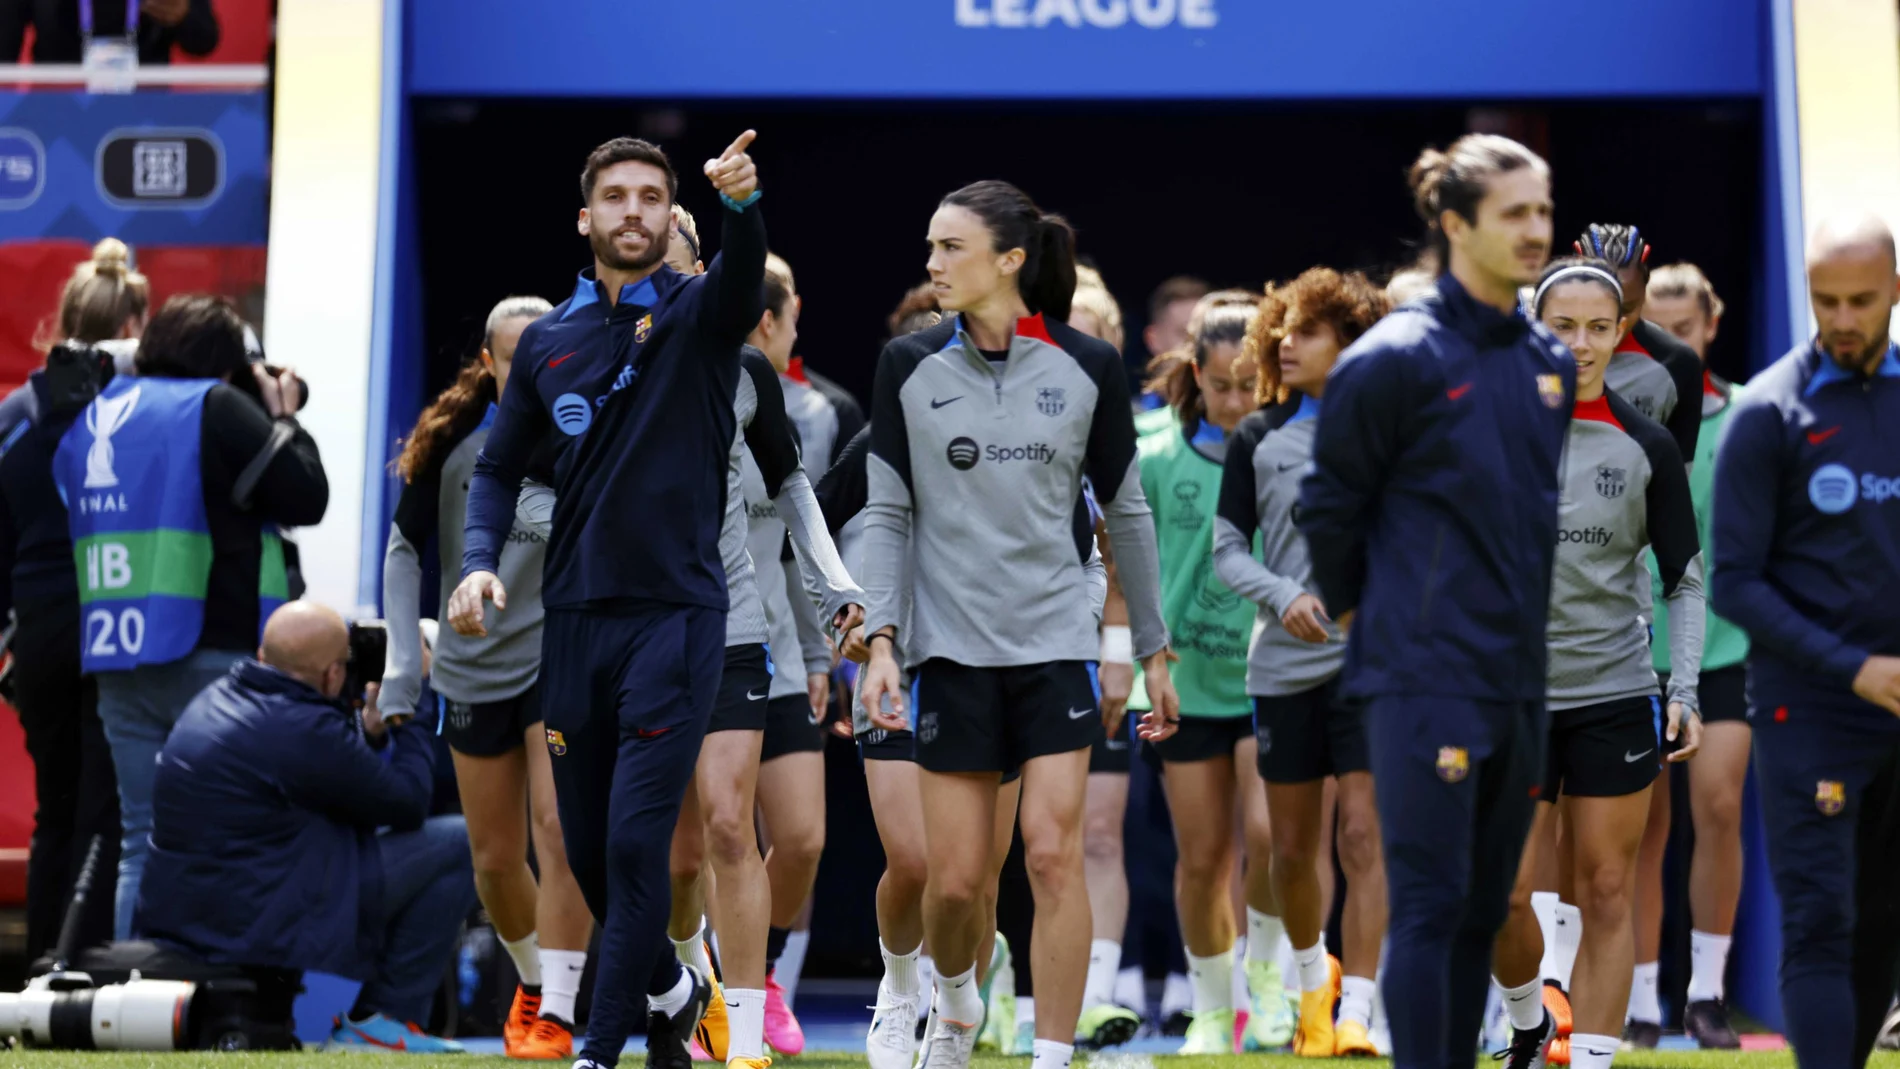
[(369, 647)]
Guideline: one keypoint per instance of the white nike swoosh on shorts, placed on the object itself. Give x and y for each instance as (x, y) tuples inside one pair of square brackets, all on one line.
[(751, 697), (1077, 714), (1630, 759)]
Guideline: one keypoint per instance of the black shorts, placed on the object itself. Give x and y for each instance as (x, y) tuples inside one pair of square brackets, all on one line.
[(789, 728), (1606, 750), (490, 729), (1309, 735), (1112, 754), (971, 719), (878, 744), (1202, 738), (744, 689), (1723, 694)]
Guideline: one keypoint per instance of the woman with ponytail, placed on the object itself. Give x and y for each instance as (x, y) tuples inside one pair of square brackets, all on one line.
[(1208, 768), (488, 686), (982, 430), (76, 791)]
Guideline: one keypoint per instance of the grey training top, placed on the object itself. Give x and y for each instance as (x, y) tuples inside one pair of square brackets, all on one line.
[(786, 635), (1624, 488), (498, 666), (1639, 379), (1269, 453), (982, 467)]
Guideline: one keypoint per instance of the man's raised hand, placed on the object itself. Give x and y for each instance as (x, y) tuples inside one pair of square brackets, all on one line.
[(733, 173)]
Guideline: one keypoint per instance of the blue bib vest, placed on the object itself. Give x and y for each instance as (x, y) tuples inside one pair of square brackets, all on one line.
[(130, 475)]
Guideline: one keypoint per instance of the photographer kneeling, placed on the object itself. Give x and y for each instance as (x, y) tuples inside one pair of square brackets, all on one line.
[(265, 851)]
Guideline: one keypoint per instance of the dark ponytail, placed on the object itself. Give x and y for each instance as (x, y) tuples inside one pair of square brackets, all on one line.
[(1221, 318), (1047, 278), (1455, 180)]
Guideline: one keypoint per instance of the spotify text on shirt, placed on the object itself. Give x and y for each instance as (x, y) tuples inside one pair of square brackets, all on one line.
[(1077, 14)]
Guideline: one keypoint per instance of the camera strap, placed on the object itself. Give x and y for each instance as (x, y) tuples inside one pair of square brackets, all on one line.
[(281, 432)]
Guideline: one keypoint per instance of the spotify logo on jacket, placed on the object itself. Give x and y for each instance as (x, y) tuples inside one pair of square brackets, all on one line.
[(962, 453)]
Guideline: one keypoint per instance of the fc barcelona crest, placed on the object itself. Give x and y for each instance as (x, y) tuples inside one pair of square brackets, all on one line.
[(643, 328), (557, 744), (1551, 389), (1611, 481), (1050, 400), (1454, 763), (1830, 796)]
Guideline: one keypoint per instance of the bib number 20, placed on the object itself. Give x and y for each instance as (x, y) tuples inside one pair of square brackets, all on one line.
[(109, 634)]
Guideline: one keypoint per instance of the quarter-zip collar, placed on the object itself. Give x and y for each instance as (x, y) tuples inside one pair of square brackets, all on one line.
[(1476, 321)]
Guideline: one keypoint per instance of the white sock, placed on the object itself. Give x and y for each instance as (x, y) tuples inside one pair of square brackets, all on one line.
[(1289, 966), (1710, 956), (1524, 1004), (745, 1020), (1355, 999), (1243, 985), (1263, 935), (1592, 1052), (1213, 978), (561, 982), (675, 997), (1049, 1054), (1314, 972), (900, 970), (958, 1000), (791, 962), (1569, 939), (1131, 989), (692, 950), (1544, 906), (1176, 995), (927, 973), (527, 963), (1026, 1014), (1105, 960), (1644, 1004)]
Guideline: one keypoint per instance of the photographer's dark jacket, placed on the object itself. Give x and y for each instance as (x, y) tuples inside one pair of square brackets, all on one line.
[(36, 550), (265, 807)]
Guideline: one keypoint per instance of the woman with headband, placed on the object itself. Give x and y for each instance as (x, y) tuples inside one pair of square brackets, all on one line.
[(1623, 490)]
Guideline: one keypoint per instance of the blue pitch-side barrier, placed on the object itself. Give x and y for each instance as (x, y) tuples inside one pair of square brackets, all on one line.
[(1498, 51)]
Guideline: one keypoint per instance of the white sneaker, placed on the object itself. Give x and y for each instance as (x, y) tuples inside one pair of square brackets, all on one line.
[(892, 1041), (949, 1044), (930, 1029)]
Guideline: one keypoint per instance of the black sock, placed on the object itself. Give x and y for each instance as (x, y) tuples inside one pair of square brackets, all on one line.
[(775, 946)]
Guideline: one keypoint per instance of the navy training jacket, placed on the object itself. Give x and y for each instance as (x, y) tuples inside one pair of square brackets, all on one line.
[(265, 807), (1806, 528), (1431, 505)]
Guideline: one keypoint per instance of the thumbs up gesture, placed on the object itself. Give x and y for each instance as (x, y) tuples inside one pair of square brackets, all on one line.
[(733, 173)]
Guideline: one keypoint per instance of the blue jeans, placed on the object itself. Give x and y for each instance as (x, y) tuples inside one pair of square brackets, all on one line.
[(138, 708), (428, 889)]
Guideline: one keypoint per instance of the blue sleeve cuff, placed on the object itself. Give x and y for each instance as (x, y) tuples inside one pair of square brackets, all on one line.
[(1844, 664), (742, 205)]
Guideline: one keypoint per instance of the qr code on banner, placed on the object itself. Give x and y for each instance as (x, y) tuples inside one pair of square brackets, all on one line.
[(158, 169)]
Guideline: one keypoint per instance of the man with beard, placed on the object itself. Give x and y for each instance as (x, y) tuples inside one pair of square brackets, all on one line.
[(1806, 529), (638, 371)]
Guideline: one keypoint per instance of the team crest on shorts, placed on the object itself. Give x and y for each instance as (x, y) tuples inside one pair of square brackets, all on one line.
[(557, 743), (1830, 796), (643, 328), (927, 728), (1454, 763), (1051, 400), (1551, 389)]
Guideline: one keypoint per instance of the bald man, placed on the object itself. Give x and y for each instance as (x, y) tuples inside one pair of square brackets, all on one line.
[(1806, 534), (287, 834)]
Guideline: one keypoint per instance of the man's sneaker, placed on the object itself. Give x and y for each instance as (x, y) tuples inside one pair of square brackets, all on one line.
[(1314, 1038), (1557, 1003), (667, 1033), (1641, 1035), (1271, 1018), (1889, 1037), (1212, 1032), (1353, 1040), (1023, 1040), (998, 992), (892, 1041), (1105, 1025), (782, 1032), (522, 1014), (713, 1035), (1706, 1022), (1530, 1048), (948, 1044), (761, 1062), (380, 1033), (549, 1039), (1559, 1051)]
